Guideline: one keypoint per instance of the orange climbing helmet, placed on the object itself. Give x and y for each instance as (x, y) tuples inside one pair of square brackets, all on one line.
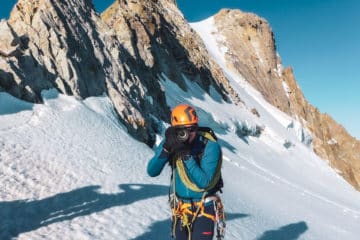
[(183, 114)]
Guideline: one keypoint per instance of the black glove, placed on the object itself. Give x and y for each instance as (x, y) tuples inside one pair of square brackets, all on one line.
[(173, 144)]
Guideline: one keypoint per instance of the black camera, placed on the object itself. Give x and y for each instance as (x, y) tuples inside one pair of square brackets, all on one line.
[(182, 134)]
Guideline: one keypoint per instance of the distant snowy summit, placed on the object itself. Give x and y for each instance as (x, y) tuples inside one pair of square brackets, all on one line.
[(128, 50)]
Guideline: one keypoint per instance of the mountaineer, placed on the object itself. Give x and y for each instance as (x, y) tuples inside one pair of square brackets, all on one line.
[(195, 158)]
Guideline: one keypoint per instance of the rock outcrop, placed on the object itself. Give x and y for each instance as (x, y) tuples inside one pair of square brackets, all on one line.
[(157, 33), (252, 54), (66, 45)]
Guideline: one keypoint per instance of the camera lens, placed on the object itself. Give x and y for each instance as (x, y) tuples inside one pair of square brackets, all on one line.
[(182, 135)]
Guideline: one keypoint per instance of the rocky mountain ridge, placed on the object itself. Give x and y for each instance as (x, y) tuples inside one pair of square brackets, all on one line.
[(125, 52), (252, 54), (66, 45)]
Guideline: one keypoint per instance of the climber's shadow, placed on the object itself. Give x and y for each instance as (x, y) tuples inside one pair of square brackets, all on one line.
[(288, 232), (23, 216)]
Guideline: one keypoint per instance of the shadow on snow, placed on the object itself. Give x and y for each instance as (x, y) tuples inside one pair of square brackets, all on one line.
[(288, 232), (21, 216)]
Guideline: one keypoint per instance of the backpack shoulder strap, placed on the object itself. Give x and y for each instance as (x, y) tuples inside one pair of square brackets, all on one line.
[(207, 133)]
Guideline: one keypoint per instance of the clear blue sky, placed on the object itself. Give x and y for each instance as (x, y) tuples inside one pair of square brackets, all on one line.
[(319, 39)]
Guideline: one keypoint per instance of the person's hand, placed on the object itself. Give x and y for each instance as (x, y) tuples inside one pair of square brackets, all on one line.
[(172, 143)]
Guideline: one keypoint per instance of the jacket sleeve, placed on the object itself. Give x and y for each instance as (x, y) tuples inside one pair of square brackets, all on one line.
[(157, 163), (202, 174)]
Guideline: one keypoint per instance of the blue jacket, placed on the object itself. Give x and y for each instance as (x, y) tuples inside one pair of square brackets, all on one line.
[(200, 171)]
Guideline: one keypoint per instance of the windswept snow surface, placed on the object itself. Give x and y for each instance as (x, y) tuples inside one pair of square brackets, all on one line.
[(69, 170)]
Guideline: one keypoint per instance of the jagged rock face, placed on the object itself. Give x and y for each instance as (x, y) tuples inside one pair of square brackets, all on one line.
[(60, 49), (252, 53), (65, 44), (157, 33)]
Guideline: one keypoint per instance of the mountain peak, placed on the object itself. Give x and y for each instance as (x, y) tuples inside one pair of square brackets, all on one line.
[(251, 52)]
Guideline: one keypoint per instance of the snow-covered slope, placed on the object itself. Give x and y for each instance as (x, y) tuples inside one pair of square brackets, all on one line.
[(69, 170)]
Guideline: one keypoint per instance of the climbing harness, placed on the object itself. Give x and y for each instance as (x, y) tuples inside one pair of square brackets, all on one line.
[(188, 212), (185, 213)]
